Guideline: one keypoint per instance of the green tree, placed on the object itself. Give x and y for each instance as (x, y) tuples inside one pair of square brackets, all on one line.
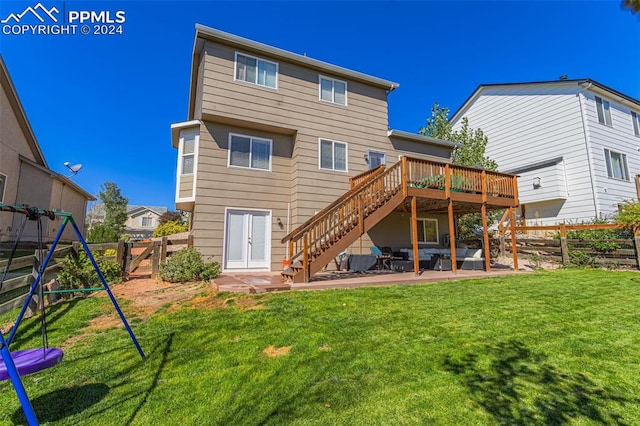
[(629, 215), (169, 217), (115, 208), (470, 153), (632, 5)]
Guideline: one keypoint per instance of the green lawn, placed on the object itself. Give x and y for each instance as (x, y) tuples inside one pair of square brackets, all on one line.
[(544, 348)]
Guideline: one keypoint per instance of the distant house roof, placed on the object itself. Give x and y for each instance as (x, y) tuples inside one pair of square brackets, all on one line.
[(585, 83), (416, 137), (97, 211), (207, 33)]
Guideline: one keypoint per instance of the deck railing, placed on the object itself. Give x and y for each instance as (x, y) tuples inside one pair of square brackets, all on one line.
[(372, 189)]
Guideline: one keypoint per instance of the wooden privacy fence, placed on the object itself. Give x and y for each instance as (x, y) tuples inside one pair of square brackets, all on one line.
[(618, 251), (24, 270)]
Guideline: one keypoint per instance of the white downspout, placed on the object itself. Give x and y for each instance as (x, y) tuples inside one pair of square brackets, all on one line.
[(588, 147)]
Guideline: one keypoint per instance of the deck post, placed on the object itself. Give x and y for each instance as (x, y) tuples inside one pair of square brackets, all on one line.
[(452, 238), (485, 235), (405, 179), (447, 181), (305, 258), (514, 248), (414, 235)]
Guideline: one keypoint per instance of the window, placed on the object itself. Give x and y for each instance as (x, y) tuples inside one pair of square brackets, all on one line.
[(428, 231), (616, 165), (3, 180), (256, 71), (188, 139), (249, 152), (636, 123), (332, 90), (604, 112), (147, 222), (376, 158), (333, 155)]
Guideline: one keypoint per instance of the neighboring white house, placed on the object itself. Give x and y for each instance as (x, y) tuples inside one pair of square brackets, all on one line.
[(574, 143), (141, 220)]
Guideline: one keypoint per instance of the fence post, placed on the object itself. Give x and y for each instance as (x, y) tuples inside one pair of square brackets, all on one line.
[(502, 247), (190, 241), (163, 252), (155, 260), (75, 246), (35, 302), (564, 248), (127, 259), (636, 240), (120, 256)]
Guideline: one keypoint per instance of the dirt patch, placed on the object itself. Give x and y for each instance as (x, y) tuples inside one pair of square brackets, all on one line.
[(273, 352), (210, 300)]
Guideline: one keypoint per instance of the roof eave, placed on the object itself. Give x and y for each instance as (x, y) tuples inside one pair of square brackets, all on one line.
[(422, 139)]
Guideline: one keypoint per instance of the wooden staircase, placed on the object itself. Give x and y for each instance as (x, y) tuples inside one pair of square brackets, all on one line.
[(373, 195), (376, 193)]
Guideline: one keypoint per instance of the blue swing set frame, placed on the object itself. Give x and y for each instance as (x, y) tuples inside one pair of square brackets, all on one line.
[(9, 363)]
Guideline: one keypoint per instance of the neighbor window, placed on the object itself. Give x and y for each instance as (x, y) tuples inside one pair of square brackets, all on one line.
[(616, 165), (3, 180), (333, 155), (428, 231), (249, 152), (332, 90), (147, 222), (604, 112), (376, 158), (257, 71), (636, 123), (188, 139)]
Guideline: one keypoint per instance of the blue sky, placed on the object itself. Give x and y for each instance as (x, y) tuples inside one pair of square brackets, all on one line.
[(107, 101)]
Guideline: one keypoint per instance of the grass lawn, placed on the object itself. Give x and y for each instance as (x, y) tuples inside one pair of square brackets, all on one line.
[(555, 347)]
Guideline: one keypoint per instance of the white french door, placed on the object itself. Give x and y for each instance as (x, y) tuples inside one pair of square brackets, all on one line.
[(248, 239)]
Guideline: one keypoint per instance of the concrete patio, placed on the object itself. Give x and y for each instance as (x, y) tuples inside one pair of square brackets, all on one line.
[(262, 282)]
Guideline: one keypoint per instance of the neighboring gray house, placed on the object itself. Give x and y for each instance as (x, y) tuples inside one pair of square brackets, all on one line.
[(25, 177), (574, 143), (141, 220)]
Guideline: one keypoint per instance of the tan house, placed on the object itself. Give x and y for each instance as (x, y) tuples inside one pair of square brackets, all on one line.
[(273, 138), (25, 177), (141, 220)]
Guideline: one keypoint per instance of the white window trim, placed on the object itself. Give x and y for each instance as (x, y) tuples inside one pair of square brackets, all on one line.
[(196, 133), (235, 70), (369, 151), (4, 187), (251, 138), (142, 220), (606, 112), (609, 166), (333, 90), (179, 174), (421, 237), (346, 155), (636, 123)]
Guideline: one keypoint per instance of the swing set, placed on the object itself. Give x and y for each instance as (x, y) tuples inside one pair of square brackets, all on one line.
[(20, 363)]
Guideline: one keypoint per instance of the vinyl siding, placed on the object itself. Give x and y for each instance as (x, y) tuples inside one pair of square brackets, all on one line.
[(618, 137), (220, 187), (186, 186), (530, 124)]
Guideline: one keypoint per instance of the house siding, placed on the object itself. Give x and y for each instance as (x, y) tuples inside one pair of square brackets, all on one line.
[(530, 124), (618, 137)]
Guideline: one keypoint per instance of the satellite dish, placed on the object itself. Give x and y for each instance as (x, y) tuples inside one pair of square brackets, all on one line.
[(74, 169)]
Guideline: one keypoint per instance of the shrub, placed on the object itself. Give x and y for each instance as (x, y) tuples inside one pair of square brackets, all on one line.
[(599, 240), (170, 228), (102, 234), (629, 215), (583, 260), (78, 272), (187, 265)]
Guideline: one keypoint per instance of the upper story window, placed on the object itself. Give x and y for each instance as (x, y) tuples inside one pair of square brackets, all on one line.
[(604, 112), (376, 158), (616, 165), (332, 90), (636, 123), (257, 71), (333, 155), (428, 231), (147, 222), (249, 152), (187, 152), (3, 180)]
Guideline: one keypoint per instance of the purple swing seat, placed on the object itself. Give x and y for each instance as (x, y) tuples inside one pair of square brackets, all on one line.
[(32, 360)]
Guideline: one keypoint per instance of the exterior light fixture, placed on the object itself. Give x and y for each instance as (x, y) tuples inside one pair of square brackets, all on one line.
[(537, 183)]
